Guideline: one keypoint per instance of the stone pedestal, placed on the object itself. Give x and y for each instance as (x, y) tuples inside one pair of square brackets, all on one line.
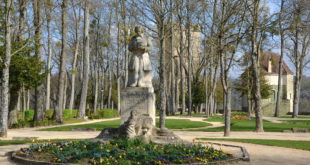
[(140, 99)]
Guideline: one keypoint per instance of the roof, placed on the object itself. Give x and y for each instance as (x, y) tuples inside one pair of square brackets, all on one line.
[(275, 58)]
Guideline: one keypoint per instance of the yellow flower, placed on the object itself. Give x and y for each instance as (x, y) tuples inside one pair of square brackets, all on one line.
[(120, 156), (85, 146), (33, 140), (107, 150), (101, 160), (39, 150), (60, 149)]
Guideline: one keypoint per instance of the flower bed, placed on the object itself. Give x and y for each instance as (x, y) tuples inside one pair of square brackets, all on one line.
[(121, 152)]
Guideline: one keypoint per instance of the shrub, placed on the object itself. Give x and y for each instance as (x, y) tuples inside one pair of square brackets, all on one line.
[(67, 113), (29, 114), (104, 113), (49, 114)]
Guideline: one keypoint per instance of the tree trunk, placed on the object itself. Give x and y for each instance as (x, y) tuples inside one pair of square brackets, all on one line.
[(83, 100), (4, 106), (227, 112), (162, 75), (49, 59), (13, 108), (37, 10), (279, 95), (189, 60), (63, 58)]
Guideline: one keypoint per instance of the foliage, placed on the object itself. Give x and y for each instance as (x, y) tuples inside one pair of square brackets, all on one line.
[(304, 145), (25, 69), (122, 152), (246, 81), (199, 94), (104, 113)]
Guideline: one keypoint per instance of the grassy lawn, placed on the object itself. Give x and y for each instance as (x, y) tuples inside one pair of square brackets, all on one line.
[(215, 118), (193, 115), (299, 116), (249, 125), (73, 120), (16, 142), (304, 145), (170, 123)]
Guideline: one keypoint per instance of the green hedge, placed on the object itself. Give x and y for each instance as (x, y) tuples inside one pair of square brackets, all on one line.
[(66, 114), (104, 113)]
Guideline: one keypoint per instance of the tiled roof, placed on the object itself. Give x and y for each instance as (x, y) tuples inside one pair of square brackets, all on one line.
[(275, 57)]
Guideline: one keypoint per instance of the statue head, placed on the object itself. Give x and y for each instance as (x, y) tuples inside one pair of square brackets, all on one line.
[(139, 30)]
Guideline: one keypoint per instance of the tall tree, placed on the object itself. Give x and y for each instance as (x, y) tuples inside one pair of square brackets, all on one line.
[(255, 56), (83, 100), (281, 31), (48, 11), (37, 20), (77, 18), (63, 59), (300, 36), (4, 104)]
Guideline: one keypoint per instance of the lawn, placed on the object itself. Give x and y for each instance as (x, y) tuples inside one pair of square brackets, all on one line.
[(215, 118), (193, 115), (170, 123), (304, 145), (249, 125), (299, 116)]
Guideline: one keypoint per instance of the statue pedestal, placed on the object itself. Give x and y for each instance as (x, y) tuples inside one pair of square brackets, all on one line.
[(140, 99)]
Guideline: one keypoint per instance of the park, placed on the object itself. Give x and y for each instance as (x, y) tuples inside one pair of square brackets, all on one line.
[(155, 82)]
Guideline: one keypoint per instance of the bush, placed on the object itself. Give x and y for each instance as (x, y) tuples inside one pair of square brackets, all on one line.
[(29, 114), (104, 113), (48, 115), (66, 114)]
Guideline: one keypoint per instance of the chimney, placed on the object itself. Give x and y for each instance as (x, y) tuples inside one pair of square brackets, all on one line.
[(269, 66)]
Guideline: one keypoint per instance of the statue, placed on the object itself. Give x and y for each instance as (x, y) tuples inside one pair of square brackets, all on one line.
[(139, 68)]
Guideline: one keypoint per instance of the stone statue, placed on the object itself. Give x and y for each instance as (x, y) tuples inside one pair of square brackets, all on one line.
[(139, 68)]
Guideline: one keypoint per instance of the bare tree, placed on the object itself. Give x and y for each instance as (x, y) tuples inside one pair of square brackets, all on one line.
[(255, 55), (37, 10), (63, 58), (48, 11), (77, 18), (83, 100), (281, 30)]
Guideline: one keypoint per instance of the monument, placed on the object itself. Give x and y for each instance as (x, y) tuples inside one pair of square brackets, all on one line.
[(138, 98), (139, 94)]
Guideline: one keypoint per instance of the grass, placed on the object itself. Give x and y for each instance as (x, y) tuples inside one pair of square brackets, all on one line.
[(304, 145), (73, 120), (215, 118), (16, 142), (249, 125), (299, 116), (193, 115), (170, 123)]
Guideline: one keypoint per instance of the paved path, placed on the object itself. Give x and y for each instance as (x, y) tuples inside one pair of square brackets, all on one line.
[(259, 154)]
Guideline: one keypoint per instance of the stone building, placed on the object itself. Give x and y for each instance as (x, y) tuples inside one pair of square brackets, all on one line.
[(270, 67), (195, 46)]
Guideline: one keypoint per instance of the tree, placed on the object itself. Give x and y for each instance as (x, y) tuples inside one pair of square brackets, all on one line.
[(48, 11), (4, 104), (86, 62), (255, 55), (300, 36), (281, 30), (37, 20), (63, 58)]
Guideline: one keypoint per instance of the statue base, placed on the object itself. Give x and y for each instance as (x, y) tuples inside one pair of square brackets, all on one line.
[(140, 99)]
